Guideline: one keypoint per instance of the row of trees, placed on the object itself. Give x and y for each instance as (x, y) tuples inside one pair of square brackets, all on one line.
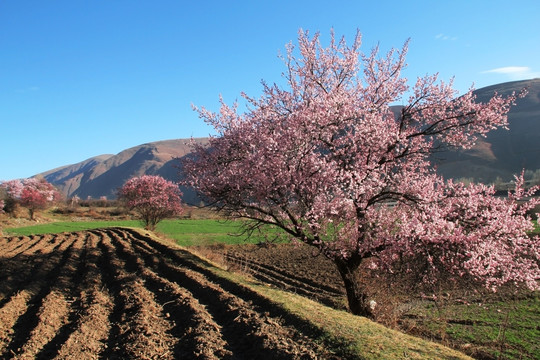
[(152, 197)]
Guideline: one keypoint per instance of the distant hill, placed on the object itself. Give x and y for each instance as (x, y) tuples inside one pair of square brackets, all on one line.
[(103, 175), (493, 160), (502, 153)]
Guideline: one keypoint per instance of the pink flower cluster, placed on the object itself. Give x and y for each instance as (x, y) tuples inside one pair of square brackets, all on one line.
[(153, 197), (31, 193), (327, 160)]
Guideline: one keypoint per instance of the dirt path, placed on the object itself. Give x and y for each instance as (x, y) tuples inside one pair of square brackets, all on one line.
[(115, 294)]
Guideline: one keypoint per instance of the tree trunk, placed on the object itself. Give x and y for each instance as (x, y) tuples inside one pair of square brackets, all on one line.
[(356, 295)]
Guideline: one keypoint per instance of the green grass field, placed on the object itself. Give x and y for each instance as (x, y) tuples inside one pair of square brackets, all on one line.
[(67, 226), (201, 232), (504, 328), (207, 232)]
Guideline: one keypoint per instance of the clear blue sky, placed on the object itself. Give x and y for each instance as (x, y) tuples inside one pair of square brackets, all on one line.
[(84, 78)]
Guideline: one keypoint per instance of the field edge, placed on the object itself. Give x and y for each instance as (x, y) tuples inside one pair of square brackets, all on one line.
[(341, 330)]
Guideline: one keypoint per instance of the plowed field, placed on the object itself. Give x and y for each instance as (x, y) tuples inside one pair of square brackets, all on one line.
[(288, 267), (115, 293)]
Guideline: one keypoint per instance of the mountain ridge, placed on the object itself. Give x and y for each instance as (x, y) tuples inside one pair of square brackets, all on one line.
[(494, 159), (502, 153), (102, 175)]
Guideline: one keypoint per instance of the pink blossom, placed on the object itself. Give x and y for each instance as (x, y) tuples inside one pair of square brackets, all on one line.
[(326, 160), (13, 188), (153, 197), (31, 193)]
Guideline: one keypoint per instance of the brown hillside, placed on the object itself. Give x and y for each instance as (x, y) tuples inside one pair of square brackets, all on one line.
[(502, 153), (103, 175)]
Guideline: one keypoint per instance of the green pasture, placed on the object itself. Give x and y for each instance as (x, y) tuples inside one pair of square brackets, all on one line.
[(186, 232), (503, 328), (67, 226), (210, 232)]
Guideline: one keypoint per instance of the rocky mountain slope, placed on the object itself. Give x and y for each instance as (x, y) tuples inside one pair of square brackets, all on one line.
[(493, 160)]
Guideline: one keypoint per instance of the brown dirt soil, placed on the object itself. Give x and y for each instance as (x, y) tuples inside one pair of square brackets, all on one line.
[(298, 269), (295, 268), (117, 294)]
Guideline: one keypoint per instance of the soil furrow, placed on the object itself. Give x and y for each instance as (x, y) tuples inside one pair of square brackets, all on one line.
[(119, 294), (87, 335), (275, 277), (9, 314), (17, 303), (38, 324), (248, 330), (12, 243), (72, 287), (24, 268), (20, 246), (278, 282), (4, 240), (142, 331), (15, 267), (112, 287), (36, 248), (188, 260), (198, 335), (284, 276), (51, 316)]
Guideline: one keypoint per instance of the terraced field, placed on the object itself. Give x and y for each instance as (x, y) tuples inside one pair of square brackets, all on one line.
[(115, 293)]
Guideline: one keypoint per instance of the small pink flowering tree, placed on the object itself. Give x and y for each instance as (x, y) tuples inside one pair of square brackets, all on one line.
[(153, 197), (32, 193), (327, 160), (13, 188), (12, 192), (37, 194)]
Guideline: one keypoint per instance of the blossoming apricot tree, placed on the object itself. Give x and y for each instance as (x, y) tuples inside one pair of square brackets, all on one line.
[(327, 160), (153, 197), (31, 193)]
